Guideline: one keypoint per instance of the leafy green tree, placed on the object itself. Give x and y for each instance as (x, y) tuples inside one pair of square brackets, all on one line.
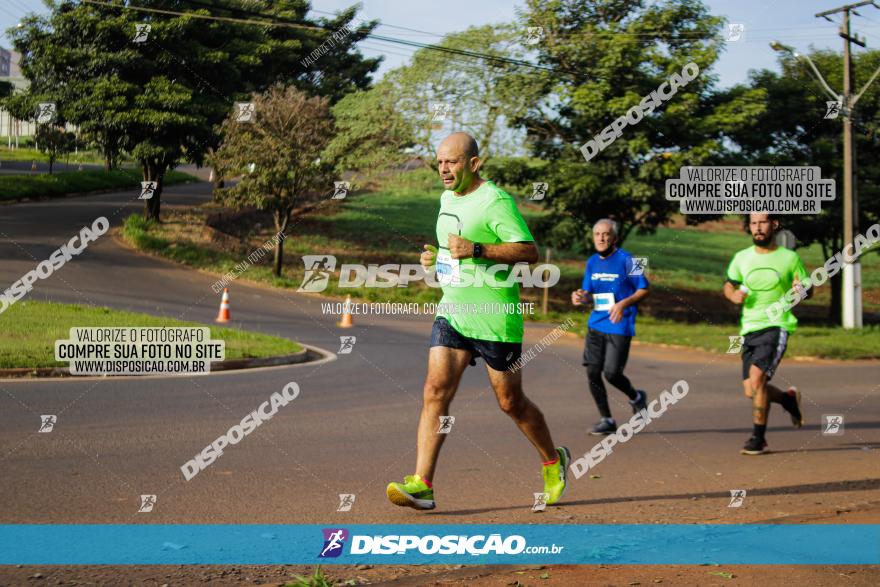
[(54, 141), (162, 99), (515, 173), (372, 136), (439, 92), (620, 52), (278, 155), (481, 95), (791, 129)]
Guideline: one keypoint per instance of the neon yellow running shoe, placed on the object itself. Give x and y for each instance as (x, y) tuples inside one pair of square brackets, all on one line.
[(554, 476), (413, 492)]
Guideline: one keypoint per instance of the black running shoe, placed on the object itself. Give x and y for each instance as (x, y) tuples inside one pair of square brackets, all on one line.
[(754, 446), (793, 407), (641, 401), (604, 426)]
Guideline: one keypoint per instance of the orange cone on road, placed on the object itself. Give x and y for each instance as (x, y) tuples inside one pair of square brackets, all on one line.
[(347, 321), (224, 316), (33, 165)]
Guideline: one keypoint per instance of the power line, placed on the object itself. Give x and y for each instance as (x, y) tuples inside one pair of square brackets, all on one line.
[(384, 24), (288, 23), (465, 64)]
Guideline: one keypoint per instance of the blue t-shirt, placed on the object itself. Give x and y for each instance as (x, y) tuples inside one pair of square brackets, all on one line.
[(610, 280)]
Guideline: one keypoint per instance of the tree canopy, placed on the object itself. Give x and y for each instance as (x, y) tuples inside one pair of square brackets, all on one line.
[(160, 92)]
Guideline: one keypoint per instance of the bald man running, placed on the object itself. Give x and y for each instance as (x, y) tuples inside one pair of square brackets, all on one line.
[(478, 225)]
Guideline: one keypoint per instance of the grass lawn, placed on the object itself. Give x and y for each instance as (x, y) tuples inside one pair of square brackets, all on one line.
[(31, 154), (807, 341), (18, 187), (30, 328), (686, 266)]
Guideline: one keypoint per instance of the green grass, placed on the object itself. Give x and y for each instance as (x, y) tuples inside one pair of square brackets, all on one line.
[(21, 186), (807, 341), (686, 266), (316, 580), (31, 154), (698, 259), (148, 236), (30, 328)]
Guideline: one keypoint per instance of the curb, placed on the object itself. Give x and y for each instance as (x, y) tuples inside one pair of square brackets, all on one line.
[(303, 356)]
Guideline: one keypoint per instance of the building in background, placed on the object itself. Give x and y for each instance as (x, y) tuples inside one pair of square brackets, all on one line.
[(9, 69), (5, 63), (10, 128)]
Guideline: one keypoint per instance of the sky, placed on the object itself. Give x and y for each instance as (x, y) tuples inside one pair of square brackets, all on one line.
[(790, 21)]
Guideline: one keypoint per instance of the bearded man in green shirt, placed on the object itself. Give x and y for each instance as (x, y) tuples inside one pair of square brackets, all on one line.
[(478, 228), (757, 278)]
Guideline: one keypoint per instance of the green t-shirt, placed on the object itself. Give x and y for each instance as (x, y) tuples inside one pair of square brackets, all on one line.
[(768, 277), (487, 215)]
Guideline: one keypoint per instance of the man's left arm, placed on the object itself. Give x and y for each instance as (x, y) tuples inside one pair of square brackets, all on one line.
[(640, 283), (800, 274), (525, 252), (616, 311), (517, 244)]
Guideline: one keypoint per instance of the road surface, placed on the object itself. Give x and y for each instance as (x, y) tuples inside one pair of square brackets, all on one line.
[(352, 429)]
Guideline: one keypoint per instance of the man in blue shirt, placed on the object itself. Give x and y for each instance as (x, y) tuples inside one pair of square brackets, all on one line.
[(616, 284)]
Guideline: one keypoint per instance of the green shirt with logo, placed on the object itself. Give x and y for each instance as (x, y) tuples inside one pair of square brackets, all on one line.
[(488, 215), (768, 276)]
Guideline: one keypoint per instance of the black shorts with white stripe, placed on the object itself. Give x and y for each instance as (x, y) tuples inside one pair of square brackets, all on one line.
[(764, 349)]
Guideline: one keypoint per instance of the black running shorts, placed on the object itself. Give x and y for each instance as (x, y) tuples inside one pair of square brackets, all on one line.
[(607, 351), (764, 349), (498, 355)]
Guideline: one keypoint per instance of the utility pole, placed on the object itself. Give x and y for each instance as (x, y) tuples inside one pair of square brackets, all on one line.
[(852, 272)]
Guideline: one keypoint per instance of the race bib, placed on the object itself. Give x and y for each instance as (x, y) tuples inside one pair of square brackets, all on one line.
[(603, 301), (448, 269)]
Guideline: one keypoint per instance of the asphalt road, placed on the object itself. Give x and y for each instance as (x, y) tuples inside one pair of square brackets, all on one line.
[(352, 429)]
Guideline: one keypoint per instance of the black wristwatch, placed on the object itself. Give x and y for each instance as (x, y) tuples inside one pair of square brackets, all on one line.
[(478, 250)]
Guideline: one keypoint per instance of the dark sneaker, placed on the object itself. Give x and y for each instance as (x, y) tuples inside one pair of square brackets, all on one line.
[(793, 407), (640, 403), (754, 446), (604, 426)]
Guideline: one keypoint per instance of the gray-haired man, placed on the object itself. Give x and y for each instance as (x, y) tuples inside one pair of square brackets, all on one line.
[(616, 284)]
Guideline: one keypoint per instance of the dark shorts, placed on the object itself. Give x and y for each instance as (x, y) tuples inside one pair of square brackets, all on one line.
[(607, 351), (764, 349), (498, 355)]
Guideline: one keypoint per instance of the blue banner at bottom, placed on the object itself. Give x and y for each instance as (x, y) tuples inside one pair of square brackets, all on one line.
[(148, 544)]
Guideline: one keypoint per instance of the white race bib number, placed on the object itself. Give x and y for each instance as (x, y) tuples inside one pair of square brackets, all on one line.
[(448, 269), (603, 301)]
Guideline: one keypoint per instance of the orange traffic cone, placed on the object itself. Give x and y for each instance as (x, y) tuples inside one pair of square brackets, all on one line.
[(224, 316), (347, 321), (33, 166)]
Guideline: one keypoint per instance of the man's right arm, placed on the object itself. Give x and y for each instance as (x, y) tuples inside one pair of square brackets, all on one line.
[(732, 289), (428, 257), (582, 296), (733, 293)]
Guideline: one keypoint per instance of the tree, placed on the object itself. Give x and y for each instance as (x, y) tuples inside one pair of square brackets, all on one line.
[(278, 155), (163, 98), (439, 92), (620, 52), (791, 129), (372, 135), (54, 141), (319, 57), (480, 94)]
